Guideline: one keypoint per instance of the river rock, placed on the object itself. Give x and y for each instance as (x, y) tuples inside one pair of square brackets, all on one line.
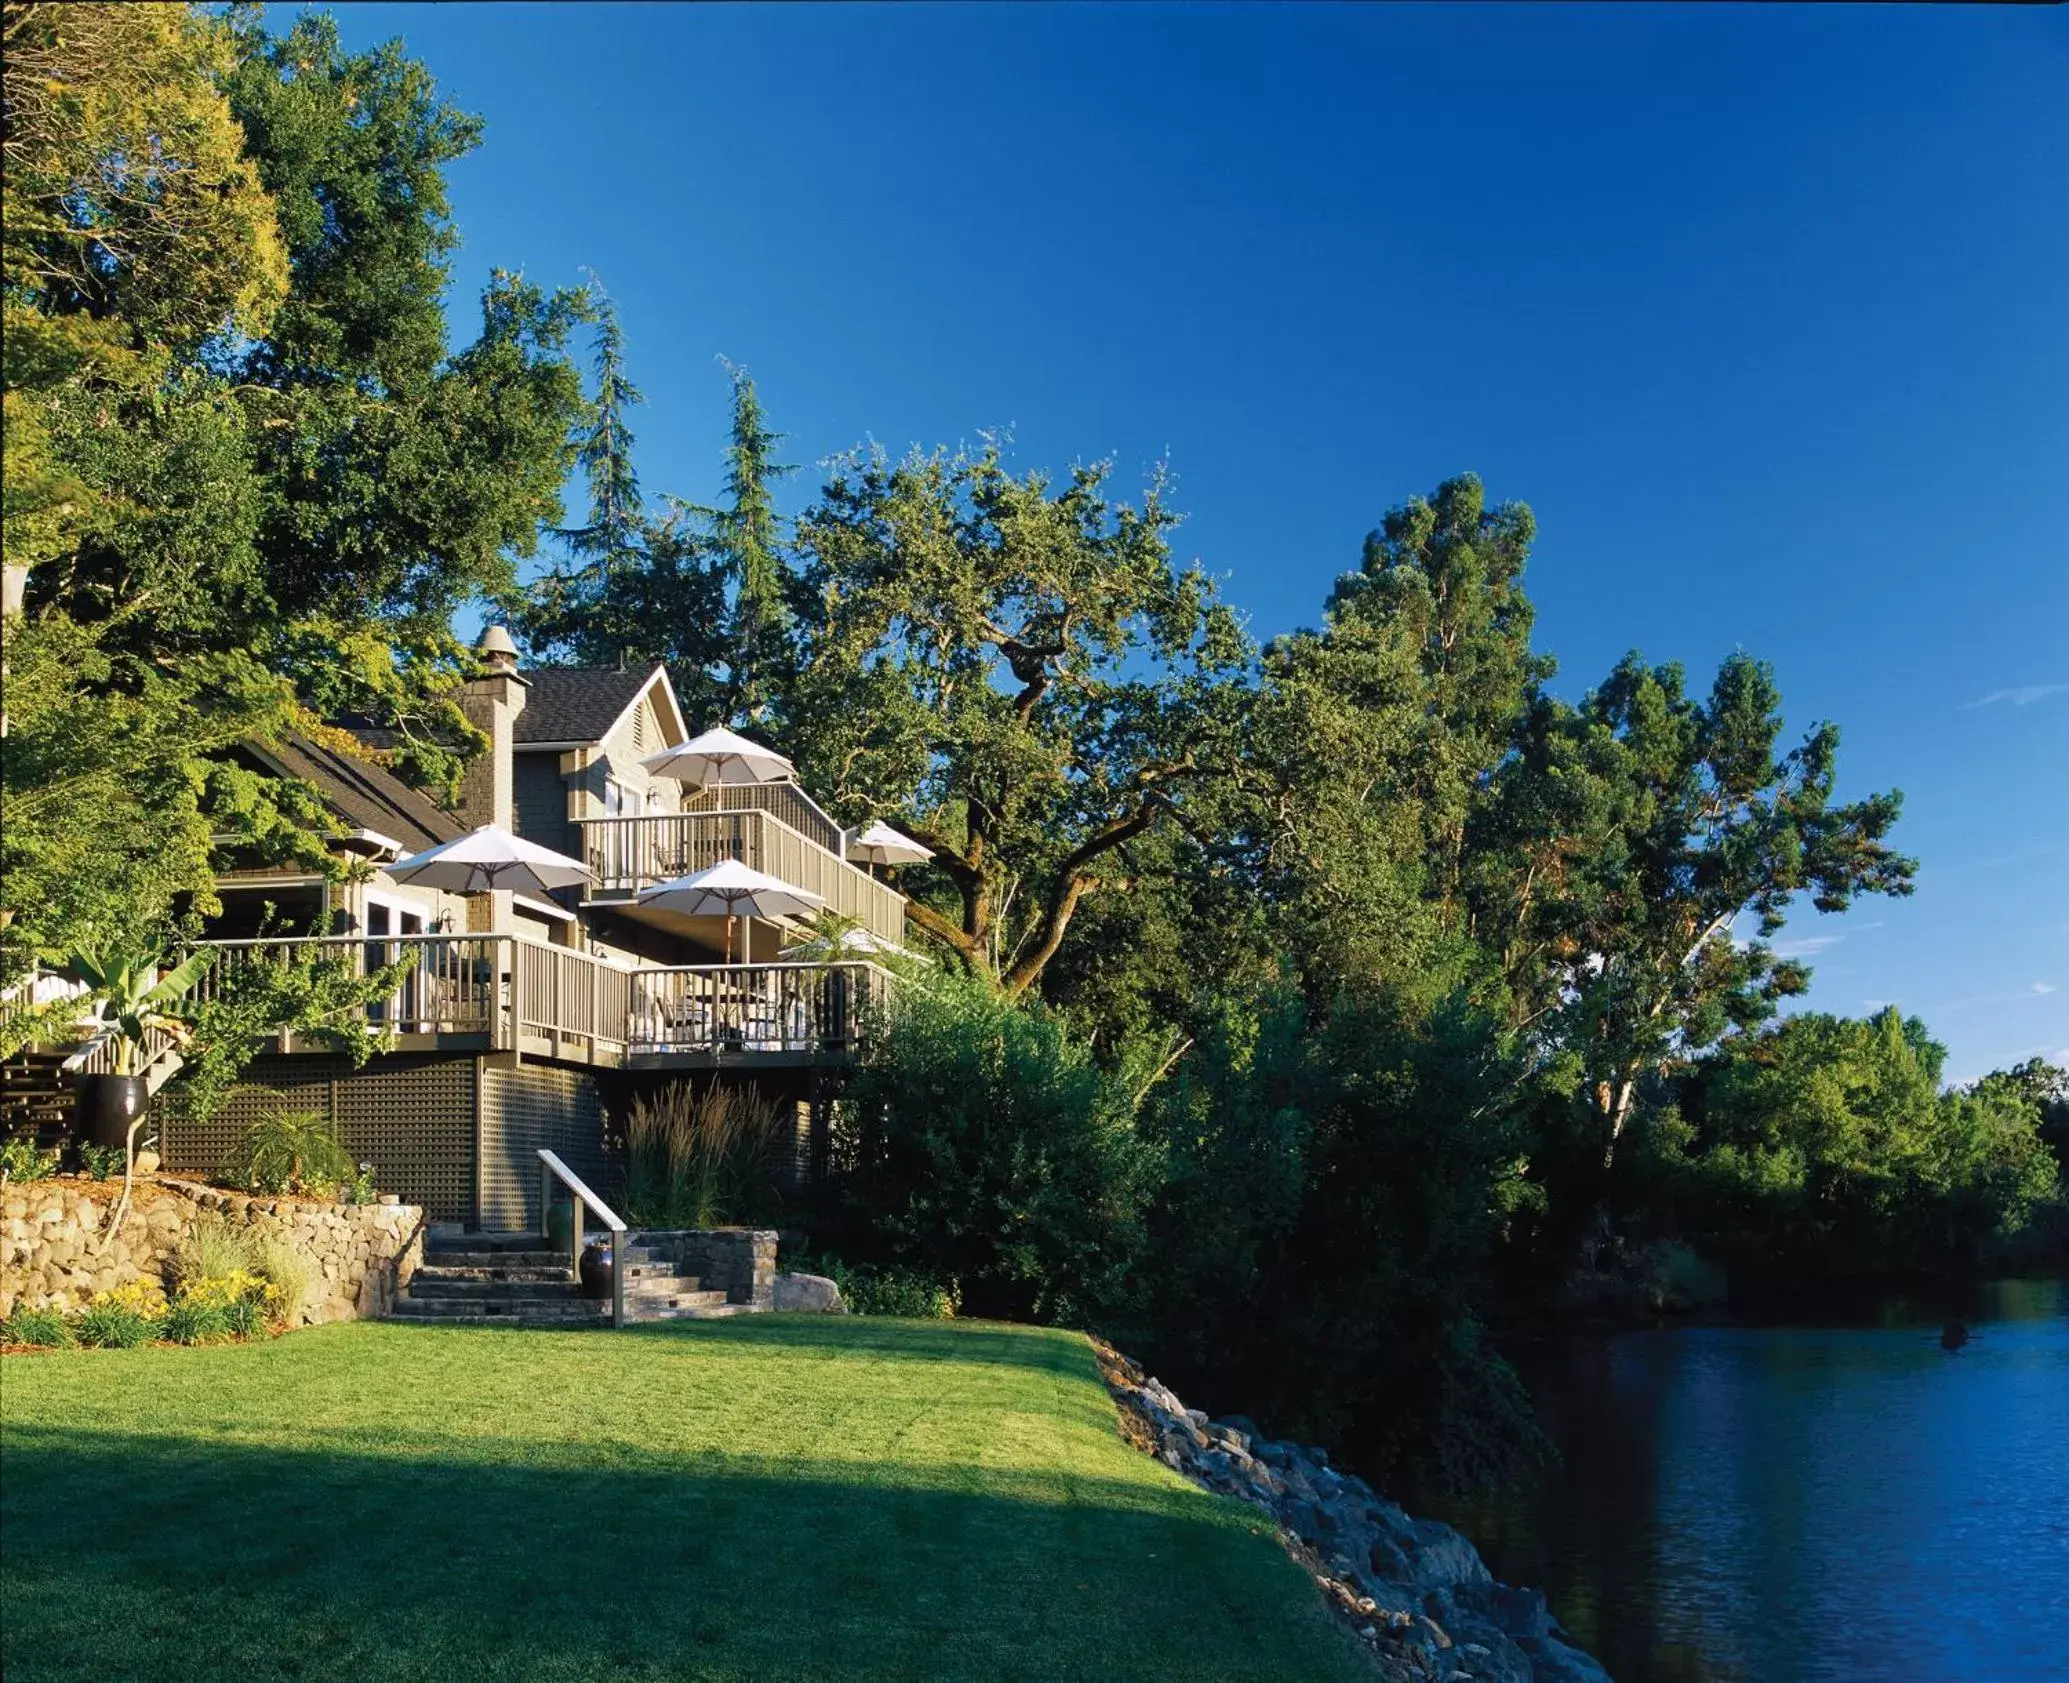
[(1416, 1591)]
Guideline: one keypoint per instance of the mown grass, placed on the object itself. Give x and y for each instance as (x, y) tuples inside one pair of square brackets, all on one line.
[(781, 1497)]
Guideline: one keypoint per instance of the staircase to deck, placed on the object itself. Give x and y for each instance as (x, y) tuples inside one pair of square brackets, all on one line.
[(36, 1095), (511, 1280)]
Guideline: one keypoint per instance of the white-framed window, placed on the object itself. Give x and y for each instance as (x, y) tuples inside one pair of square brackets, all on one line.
[(621, 801)]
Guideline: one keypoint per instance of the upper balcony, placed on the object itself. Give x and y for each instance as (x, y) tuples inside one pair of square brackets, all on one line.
[(625, 855)]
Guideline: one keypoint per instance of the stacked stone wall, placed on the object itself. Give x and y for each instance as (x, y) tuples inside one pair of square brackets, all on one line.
[(59, 1242)]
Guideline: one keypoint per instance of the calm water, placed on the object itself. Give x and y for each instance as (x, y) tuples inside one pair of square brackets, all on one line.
[(1791, 1504)]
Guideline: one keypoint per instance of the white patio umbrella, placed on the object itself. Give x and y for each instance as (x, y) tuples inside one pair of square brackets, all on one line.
[(719, 756), (730, 889), (882, 845), (490, 859)]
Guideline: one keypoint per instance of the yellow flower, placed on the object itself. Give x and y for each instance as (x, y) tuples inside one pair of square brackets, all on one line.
[(139, 1297)]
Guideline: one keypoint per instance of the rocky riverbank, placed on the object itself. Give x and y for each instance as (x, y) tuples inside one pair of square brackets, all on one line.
[(1415, 1591)]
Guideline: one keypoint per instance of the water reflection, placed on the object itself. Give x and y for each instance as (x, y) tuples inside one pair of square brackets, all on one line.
[(1845, 1503)]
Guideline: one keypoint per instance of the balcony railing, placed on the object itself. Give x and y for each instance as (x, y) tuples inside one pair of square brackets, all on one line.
[(786, 800), (510, 994), (721, 1008), (628, 854)]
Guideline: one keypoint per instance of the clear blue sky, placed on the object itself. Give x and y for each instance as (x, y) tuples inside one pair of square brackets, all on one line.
[(1765, 312)]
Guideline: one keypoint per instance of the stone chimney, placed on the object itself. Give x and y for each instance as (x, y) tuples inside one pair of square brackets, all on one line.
[(492, 702)]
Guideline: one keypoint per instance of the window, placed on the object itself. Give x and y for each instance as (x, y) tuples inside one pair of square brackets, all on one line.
[(621, 802)]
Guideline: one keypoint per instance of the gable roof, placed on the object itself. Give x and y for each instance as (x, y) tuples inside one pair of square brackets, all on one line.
[(366, 796), (568, 705)]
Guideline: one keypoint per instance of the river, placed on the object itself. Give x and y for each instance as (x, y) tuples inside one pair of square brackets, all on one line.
[(1837, 1503)]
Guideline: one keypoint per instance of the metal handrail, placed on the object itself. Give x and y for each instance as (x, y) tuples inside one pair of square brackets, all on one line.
[(551, 1166)]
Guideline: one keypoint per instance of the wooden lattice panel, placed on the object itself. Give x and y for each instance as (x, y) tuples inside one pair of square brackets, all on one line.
[(411, 1116), (524, 1110), (413, 1119), (270, 1084)]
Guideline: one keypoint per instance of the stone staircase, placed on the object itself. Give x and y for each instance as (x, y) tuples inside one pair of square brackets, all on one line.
[(510, 1280)]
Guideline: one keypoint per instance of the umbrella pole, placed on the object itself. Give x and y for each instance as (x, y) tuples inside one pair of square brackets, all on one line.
[(729, 934)]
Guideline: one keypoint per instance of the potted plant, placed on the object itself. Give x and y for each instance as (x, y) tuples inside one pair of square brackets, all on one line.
[(133, 1002)]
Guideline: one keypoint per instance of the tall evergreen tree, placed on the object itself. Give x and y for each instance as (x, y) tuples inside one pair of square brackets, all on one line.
[(583, 610), (750, 540)]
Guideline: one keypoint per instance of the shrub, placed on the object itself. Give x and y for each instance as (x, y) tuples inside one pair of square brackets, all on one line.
[(190, 1321), (216, 1249), (42, 1329), (701, 1159), (245, 1319), (982, 1143), (236, 1304), (123, 1318), (103, 1162), (359, 1189), (20, 1160), (283, 1268), (290, 1151), (909, 1292)]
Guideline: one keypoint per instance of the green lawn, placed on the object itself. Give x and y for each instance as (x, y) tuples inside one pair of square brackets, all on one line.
[(781, 1497)]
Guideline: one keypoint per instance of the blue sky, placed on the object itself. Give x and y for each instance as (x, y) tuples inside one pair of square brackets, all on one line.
[(1765, 312)]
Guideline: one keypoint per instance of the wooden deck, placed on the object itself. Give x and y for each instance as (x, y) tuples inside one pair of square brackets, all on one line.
[(504, 993)]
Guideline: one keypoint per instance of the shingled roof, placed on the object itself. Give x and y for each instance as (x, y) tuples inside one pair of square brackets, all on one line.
[(365, 796), (578, 703)]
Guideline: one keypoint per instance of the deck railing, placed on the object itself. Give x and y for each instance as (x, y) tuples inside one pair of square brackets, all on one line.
[(454, 984), (628, 854), (721, 1008), (518, 994), (786, 800)]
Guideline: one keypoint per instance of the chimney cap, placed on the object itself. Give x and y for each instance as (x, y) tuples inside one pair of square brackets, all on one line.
[(496, 647)]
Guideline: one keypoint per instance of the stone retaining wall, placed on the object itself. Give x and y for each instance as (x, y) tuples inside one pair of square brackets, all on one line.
[(57, 1248), (739, 1261)]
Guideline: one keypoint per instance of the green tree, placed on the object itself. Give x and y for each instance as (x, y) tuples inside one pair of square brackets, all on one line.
[(1625, 840), (749, 540), (1825, 1146), (1017, 674)]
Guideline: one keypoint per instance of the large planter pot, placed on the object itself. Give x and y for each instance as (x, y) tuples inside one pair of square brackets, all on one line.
[(596, 1270), (107, 1106)]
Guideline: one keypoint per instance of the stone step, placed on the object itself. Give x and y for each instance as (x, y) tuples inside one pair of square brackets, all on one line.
[(438, 1258), (481, 1271), (695, 1312), (438, 1308), (645, 1300), (492, 1291)]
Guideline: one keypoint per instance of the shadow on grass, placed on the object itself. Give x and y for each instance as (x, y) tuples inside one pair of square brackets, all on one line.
[(136, 1555)]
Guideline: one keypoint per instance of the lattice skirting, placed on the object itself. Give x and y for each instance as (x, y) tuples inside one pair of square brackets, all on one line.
[(415, 1118), (528, 1108), (410, 1115)]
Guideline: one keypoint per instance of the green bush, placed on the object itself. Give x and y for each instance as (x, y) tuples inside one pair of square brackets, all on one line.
[(103, 1162), (908, 1292), (291, 1151), (114, 1326), (42, 1329), (981, 1143), (195, 1321), (20, 1160), (244, 1318)]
